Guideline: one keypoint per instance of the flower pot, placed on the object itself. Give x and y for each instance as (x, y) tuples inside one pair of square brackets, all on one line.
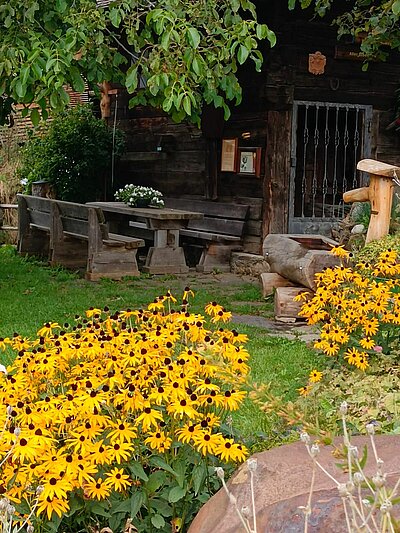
[(142, 202)]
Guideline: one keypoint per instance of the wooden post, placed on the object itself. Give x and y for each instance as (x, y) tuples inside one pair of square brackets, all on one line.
[(277, 172), (42, 188), (379, 193)]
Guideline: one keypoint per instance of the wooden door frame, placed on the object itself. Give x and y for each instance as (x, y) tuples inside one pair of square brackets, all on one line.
[(277, 172)]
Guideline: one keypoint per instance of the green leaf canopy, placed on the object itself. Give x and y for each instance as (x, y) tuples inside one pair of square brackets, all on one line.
[(171, 54)]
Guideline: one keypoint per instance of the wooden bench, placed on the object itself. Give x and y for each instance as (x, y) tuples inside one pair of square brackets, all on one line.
[(75, 236), (219, 233)]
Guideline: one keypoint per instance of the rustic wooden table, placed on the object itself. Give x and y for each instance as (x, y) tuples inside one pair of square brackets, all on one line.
[(166, 256)]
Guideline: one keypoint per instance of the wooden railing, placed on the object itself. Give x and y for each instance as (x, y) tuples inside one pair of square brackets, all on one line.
[(3, 209)]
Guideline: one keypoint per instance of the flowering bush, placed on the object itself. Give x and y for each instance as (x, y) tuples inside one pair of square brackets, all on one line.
[(117, 420), (137, 195), (358, 308), (370, 253)]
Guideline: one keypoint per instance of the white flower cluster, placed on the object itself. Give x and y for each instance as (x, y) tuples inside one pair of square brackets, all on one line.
[(136, 194)]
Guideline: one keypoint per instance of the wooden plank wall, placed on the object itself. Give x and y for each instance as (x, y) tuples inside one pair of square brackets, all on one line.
[(183, 170), (178, 167)]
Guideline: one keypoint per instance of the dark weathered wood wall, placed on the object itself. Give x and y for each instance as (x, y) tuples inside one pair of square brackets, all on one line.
[(179, 166), (185, 166)]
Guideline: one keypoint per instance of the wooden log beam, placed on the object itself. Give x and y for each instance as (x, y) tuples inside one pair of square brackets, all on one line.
[(379, 193), (357, 195), (299, 257)]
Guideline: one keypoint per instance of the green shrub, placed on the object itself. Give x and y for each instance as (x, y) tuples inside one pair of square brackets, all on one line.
[(370, 253), (372, 397), (74, 154)]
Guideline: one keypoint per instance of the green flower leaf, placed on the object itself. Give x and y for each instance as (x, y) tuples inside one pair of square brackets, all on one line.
[(158, 521), (199, 475), (176, 494), (138, 471), (156, 480), (159, 462), (137, 500)]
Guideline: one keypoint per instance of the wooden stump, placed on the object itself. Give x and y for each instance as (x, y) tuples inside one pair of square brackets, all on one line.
[(285, 306), (43, 189), (270, 281)]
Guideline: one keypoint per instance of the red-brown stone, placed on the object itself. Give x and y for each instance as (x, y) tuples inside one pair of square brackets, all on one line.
[(283, 479)]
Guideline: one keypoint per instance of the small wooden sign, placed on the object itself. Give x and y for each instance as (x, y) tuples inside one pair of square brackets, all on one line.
[(349, 52), (229, 155)]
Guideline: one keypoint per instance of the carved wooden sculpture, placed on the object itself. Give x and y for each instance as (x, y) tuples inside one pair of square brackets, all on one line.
[(379, 193), (105, 102)]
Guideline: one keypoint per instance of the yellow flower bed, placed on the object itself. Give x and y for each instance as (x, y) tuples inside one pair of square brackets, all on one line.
[(83, 405), (358, 309)]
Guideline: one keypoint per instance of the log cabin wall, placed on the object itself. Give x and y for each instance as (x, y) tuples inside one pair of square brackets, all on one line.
[(182, 161), (287, 79), (160, 153)]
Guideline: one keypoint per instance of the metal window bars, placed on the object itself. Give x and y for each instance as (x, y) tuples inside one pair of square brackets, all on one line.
[(328, 139)]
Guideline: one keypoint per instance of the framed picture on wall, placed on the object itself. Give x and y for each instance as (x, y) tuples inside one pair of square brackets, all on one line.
[(229, 155), (249, 161)]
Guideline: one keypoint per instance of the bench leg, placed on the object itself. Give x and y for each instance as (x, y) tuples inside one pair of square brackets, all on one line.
[(34, 242), (216, 256), (69, 253), (115, 264)]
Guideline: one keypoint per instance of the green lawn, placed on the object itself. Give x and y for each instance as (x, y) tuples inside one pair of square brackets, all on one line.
[(32, 294)]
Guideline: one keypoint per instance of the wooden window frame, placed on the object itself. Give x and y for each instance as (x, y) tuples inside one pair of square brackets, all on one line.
[(252, 167)]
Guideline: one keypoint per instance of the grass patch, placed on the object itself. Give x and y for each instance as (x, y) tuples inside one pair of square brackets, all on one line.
[(57, 294), (32, 293), (284, 363)]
